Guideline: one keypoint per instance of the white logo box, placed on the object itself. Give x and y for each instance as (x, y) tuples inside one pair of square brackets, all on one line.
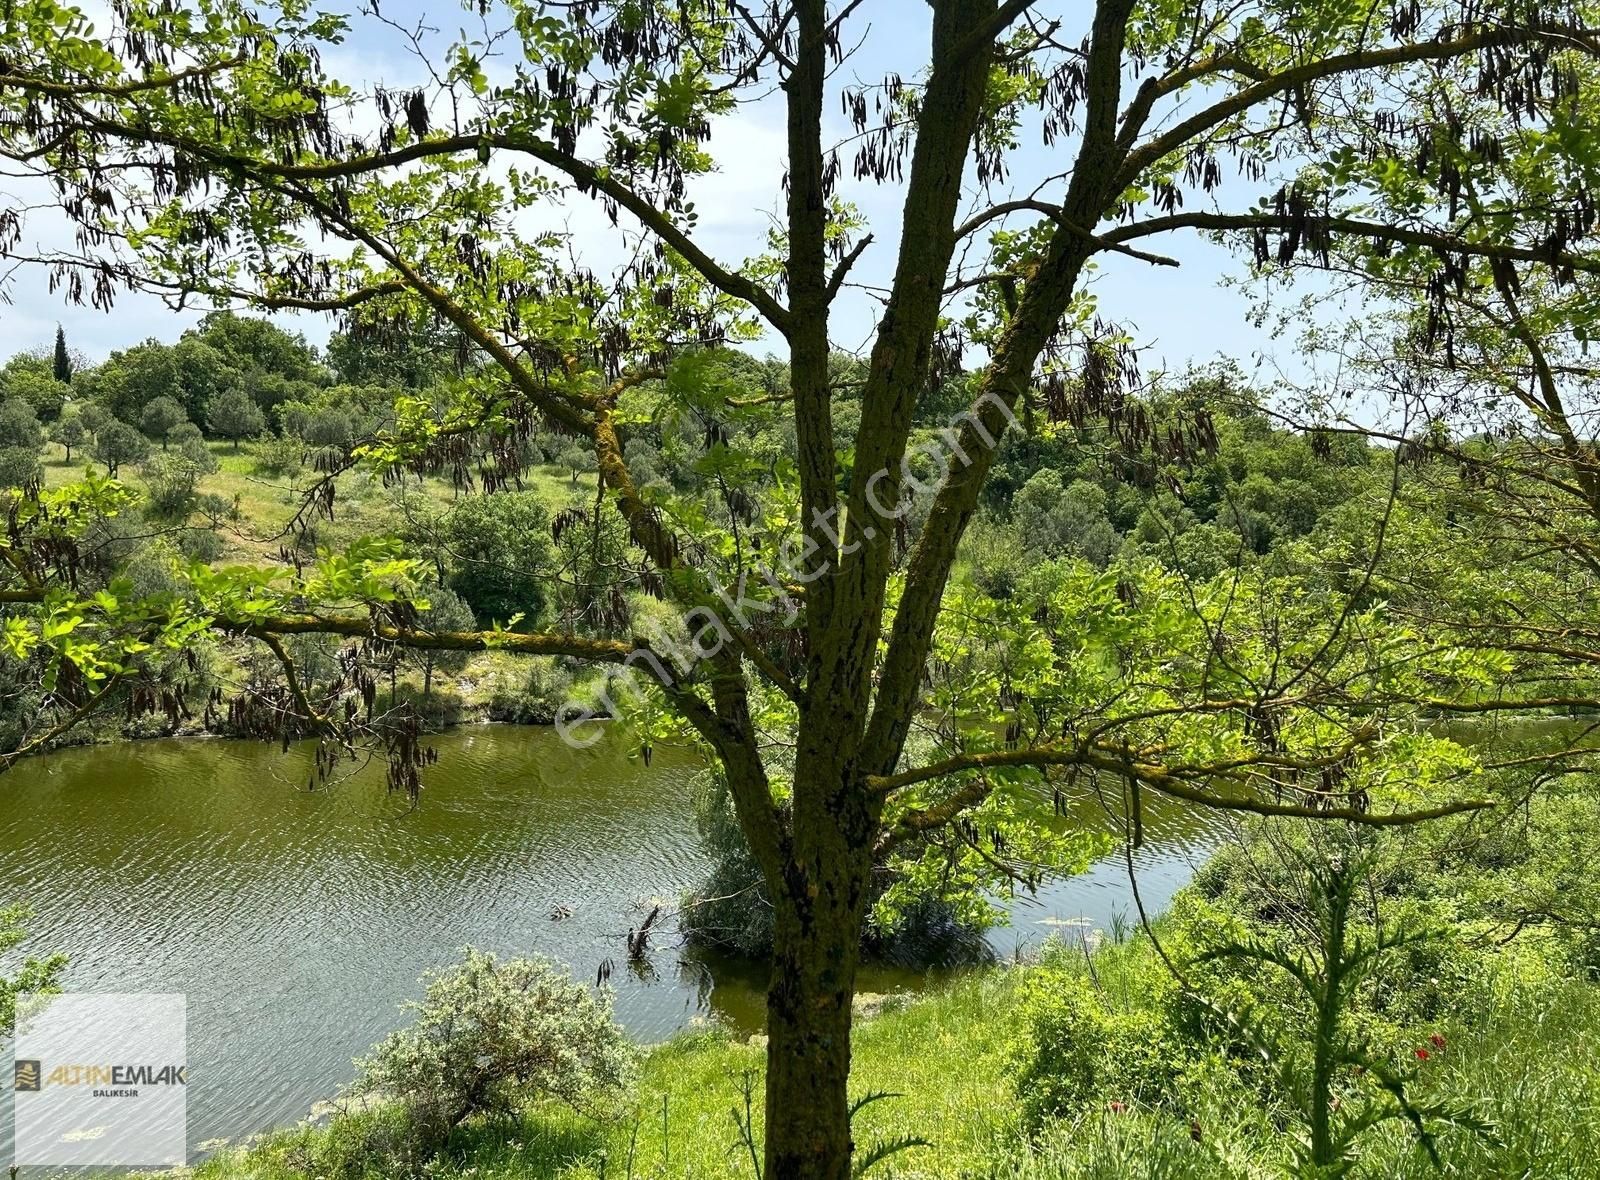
[(101, 1079)]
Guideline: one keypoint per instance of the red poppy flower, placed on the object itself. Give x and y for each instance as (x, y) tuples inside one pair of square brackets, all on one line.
[(1423, 1055), (1437, 1040)]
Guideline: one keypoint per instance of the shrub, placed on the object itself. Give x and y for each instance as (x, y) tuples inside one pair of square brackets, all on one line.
[(531, 695), (20, 468), (357, 1145), (280, 455), (490, 1036), (999, 561), (1141, 1059), (149, 569), (109, 543), (1057, 1058), (170, 479), (294, 417), (329, 428), (33, 974), (1079, 1048), (200, 545), (194, 449)]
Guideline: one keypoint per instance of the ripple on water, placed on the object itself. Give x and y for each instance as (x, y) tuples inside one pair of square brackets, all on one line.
[(296, 921)]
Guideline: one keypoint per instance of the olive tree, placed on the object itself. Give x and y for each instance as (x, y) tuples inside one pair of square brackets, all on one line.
[(69, 431), (116, 443), (810, 607), (233, 415), (19, 425), (160, 417)]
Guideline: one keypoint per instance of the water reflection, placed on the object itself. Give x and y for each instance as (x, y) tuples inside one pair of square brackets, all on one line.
[(297, 921)]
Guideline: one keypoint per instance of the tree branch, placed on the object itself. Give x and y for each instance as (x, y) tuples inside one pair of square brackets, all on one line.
[(70, 721), (845, 263), (1120, 763), (985, 35), (1055, 214), (1432, 239), (65, 90), (588, 177), (565, 410), (1327, 67)]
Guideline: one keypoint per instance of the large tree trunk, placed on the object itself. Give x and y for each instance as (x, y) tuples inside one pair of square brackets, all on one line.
[(808, 1028)]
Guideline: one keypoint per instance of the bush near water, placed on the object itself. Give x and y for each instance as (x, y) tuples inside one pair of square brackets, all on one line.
[(1084, 1063)]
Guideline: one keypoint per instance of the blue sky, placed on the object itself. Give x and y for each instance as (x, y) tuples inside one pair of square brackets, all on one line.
[(1179, 315)]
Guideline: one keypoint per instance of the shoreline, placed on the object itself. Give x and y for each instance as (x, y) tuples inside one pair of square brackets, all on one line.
[(481, 713), (479, 717)]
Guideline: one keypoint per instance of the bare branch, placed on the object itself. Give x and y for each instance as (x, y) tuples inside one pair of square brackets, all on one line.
[(845, 263), (1354, 227), (1121, 763)]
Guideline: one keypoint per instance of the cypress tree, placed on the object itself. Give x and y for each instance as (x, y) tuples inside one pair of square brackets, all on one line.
[(63, 362)]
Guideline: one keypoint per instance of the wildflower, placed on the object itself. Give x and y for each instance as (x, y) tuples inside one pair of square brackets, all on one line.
[(1437, 1040), (1423, 1055), (1119, 1108)]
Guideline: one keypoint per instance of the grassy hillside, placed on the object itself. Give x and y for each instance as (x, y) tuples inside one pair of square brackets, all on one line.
[(249, 514), (262, 505), (1520, 1056)]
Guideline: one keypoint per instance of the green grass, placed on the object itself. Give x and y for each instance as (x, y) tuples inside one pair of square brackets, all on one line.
[(1526, 1065), (945, 1053), (264, 505), (254, 533), (255, 530)]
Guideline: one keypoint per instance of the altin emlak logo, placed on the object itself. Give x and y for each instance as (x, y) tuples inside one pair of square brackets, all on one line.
[(107, 1081)]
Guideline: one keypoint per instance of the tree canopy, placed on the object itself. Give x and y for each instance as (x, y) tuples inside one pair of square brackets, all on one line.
[(816, 622)]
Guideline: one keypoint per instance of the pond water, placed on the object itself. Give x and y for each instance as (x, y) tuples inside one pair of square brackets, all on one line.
[(296, 921)]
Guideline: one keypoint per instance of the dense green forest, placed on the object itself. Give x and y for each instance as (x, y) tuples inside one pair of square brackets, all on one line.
[(944, 579)]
